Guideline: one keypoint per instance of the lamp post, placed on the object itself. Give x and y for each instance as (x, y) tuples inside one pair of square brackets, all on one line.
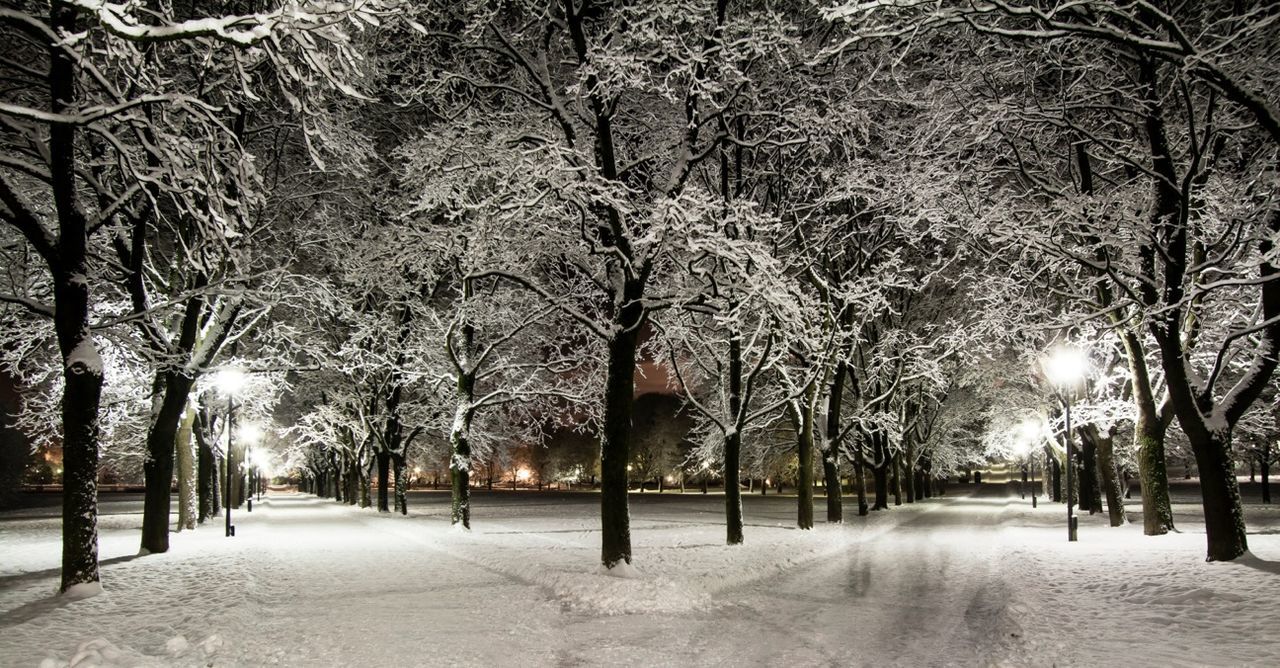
[(229, 382), (1065, 368), (251, 435)]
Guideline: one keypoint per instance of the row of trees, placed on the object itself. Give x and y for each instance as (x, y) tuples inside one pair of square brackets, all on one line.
[(845, 235)]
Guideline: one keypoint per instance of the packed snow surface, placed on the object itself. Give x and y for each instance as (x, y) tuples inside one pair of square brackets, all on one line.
[(974, 578)]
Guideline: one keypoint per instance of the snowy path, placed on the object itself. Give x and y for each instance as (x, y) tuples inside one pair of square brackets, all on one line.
[(970, 580)]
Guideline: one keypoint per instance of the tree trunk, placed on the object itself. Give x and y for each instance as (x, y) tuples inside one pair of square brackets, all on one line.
[(615, 444), (880, 471), (733, 447), (460, 458), (158, 469), (187, 496), (365, 477), (802, 415), (1090, 492), (860, 481), (831, 447), (1109, 476), (1223, 513), (909, 471), (896, 481), (207, 471), (732, 493), (1264, 467), (384, 480), (1054, 474), (402, 497)]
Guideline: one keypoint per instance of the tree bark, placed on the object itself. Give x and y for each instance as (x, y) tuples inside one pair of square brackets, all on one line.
[(803, 416), (187, 496), (880, 470), (1148, 444), (384, 480), (1108, 474), (207, 472), (460, 458), (402, 496), (1265, 469), (615, 444), (158, 469), (1090, 491), (733, 446), (831, 449), (860, 480), (82, 365), (909, 470)]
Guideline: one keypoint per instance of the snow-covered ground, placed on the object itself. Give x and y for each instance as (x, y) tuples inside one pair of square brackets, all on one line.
[(973, 578)]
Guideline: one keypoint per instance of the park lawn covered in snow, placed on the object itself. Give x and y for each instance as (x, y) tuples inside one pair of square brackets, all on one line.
[(973, 578)]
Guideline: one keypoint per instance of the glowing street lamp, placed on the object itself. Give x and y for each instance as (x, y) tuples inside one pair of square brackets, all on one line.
[(1066, 367), (230, 382)]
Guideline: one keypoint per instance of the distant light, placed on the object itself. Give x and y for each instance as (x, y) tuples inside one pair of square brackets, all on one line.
[(628, 467), (1066, 365), (417, 469), (671, 478), (1029, 434), (523, 474), (230, 381), (249, 433)]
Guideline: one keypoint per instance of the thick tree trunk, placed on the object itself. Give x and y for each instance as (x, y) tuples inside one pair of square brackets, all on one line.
[(82, 365), (733, 447), (615, 446), (860, 481), (831, 449), (207, 471), (1055, 476), (1153, 479), (895, 483), (880, 478), (1265, 470), (1264, 466), (365, 477), (460, 457), (158, 469), (909, 471), (1223, 512), (880, 471), (384, 480), (732, 493), (402, 483), (187, 496), (804, 417), (1109, 477), (1090, 492)]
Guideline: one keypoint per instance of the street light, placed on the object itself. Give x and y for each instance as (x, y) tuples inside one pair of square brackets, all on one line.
[(1065, 367), (229, 383)]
